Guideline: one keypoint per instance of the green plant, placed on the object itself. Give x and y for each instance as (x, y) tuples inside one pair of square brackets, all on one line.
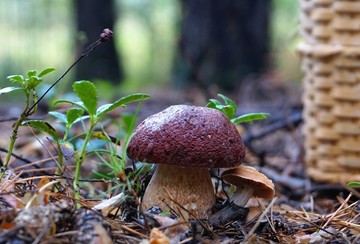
[(28, 86), (87, 93), (229, 108), (354, 184)]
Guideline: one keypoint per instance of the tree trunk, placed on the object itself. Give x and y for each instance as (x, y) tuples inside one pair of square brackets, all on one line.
[(221, 42), (103, 63)]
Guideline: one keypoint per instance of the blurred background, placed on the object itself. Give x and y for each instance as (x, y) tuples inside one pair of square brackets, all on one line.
[(207, 45)]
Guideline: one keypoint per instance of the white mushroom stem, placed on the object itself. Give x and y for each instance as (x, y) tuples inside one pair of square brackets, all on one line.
[(242, 195), (191, 187)]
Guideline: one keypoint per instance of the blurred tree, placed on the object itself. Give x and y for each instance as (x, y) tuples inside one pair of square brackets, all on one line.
[(104, 63), (221, 42)]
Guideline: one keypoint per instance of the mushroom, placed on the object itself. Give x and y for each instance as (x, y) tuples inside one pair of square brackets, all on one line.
[(249, 183), (185, 141)]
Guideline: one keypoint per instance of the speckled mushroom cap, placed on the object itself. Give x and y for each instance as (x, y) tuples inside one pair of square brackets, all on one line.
[(186, 135)]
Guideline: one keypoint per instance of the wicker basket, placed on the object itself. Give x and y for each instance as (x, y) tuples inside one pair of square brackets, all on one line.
[(331, 112), (330, 21), (331, 66)]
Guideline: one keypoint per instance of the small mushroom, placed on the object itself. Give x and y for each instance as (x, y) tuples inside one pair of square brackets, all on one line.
[(249, 183), (185, 141)]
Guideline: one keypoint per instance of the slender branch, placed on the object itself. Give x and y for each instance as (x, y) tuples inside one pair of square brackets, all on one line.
[(105, 36)]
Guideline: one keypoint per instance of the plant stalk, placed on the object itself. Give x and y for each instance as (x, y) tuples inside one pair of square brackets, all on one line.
[(79, 162), (14, 134)]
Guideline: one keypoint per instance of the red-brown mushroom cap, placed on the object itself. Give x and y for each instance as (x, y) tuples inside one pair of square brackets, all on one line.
[(185, 135), (248, 176)]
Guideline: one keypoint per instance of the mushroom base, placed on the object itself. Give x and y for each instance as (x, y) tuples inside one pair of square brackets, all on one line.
[(191, 187), (242, 195)]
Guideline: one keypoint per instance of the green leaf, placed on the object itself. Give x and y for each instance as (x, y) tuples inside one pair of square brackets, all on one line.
[(77, 104), (9, 89), (136, 97), (215, 102), (46, 71), (31, 73), (229, 102), (16, 78), (73, 114), (59, 116), (249, 118), (34, 81), (87, 93), (42, 126), (211, 105), (227, 110), (354, 184)]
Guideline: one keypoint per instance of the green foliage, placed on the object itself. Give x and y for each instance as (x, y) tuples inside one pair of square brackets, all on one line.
[(88, 103), (229, 108), (354, 184), (42, 126), (28, 85)]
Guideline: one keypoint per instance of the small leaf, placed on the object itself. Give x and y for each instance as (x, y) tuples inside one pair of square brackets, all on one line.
[(353, 184), (16, 78), (31, 73), (34, 81), (9, 89), (73, 114), (81, 118), (87, 93), (77, 104), (46, 71), (227, 110), (211, 105), (229, 102), (136, 97), (42, 126), (250, 117), (59, 116), (216, 102)]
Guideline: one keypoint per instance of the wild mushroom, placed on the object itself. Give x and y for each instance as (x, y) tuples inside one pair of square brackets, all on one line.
[(185, 141), (249, 183)]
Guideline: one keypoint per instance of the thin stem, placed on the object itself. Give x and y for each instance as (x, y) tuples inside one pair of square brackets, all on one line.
[(84, 54), (242, 195), (80, 160), (14, 134)]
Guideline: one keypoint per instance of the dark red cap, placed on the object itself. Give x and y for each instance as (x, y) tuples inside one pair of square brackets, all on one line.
[(185, 135)]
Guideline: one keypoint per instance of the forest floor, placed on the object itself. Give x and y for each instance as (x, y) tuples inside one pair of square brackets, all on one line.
[(37, 206)]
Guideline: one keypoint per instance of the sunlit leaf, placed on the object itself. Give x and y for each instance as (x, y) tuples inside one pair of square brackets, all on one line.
[(16, 78), (250, 118), (230, 103), (136, 97), (215, 102), (34, 81), (87, 93), (78, 104), (9, 89), (73, 114), (31, 73), (46, 71)]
